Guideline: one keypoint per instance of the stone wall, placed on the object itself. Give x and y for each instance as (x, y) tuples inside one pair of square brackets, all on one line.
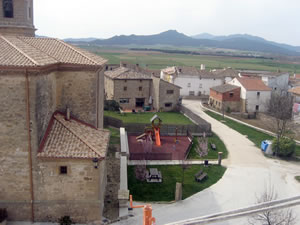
[(77, 90), (166, 98), (109, 88), (79, 193), (14, 168)]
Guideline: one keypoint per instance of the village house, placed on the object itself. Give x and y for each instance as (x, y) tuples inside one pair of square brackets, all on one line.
[(295, 92), (133, 87), (278, 81), (195, 82), (255, 95), (225, 97), (294, 80), (53, 147)]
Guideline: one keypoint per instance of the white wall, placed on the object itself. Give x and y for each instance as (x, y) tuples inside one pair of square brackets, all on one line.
[(261, 100), (279, 83), (196, 84)]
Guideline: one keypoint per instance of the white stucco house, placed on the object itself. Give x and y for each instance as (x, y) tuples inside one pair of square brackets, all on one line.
[(195, 82), (255, 95), (278, 81)]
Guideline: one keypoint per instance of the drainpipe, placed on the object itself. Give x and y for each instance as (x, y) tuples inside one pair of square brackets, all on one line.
[(29, 146)]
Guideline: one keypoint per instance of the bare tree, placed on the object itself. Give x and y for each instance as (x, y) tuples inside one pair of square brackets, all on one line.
[(272, 217), (280, 108)]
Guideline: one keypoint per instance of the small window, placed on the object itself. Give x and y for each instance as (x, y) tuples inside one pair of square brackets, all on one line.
[(169, 104), (125, 81), (170, 92), (189, 84), (275, 88), (257, 107), (140, 88), (200, 85), (258, 93), (140, 81), (231, 94), (125, 88), (8, 8), (124, 100), (191, 93), (63, 170), (199, 93)]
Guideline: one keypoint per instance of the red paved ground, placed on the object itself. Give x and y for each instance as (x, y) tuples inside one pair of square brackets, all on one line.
[(169, 150)]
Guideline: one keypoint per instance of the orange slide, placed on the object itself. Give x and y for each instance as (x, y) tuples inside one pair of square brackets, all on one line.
[(157, 137)]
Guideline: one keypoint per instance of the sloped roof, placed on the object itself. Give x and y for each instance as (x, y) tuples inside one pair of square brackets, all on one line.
[(295, 90), (39, 52), (126, 73), (228, 72), (252, 84), (224, 88), (73, 139)]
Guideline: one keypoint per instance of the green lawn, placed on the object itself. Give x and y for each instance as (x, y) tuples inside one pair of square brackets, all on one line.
[(165, 191), (297, 178), (212, 154), (114, 135), (166, 117), (253, 135)]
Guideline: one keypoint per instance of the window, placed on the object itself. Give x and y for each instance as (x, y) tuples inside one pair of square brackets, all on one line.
[(125, 81), (257, 107), (170, 92), (191, 93), (8, 8), (168, 104), (258, 94), (231, 94), (140, 81), (199, 93), (189, 84), (200, 85), (124, 100), (140, 88), (125, 88), (63, 170)]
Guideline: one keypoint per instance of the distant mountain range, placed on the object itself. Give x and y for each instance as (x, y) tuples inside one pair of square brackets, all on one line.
[(242, 42)]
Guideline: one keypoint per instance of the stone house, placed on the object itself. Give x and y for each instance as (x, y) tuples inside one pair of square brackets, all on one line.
[(225, 97), (255, 95), (132, 87), (195, 82), (278, 81), (47, 156)]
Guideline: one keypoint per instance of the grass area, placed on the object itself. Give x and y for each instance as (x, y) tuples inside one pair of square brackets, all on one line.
[(165, 191), (253, 135), (212, 154), (114, 135), (166, 117), (157, 60), (297, 178)]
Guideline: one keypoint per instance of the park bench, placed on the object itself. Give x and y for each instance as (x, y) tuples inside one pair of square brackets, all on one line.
[(200, 176), (154, 176), (213, 146)]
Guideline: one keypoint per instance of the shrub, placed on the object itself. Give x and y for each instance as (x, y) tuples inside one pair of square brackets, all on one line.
[(228, 109), (111, 105), (285, 147), (65, 220), (3, 215)]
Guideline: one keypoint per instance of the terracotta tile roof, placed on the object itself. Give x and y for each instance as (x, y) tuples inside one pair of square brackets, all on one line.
[(38, 52), (126, 73), (252, 84), (295, 90), (73, 139), (224, 88)]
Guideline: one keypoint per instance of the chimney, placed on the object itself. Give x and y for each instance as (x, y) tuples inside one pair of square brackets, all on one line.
[(68, 114), (202, 67)]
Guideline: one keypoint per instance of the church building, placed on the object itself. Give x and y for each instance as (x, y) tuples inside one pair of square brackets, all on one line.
[(52, 142)]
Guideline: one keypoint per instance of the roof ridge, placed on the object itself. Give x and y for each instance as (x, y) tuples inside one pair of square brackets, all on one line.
[(78, 136), (75, 50), (19, 50)]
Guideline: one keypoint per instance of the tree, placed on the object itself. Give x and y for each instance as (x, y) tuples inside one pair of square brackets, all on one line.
[(272, 217), (280, 107)]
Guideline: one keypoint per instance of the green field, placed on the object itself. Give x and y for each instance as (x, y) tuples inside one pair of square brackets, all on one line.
[(212, 154), (165, 191), (174, 118), (157, 60)]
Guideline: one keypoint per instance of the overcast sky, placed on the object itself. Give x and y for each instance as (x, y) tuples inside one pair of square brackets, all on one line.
[(275, 20)]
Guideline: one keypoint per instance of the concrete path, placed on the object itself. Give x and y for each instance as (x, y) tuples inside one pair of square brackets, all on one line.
[(249, 173)]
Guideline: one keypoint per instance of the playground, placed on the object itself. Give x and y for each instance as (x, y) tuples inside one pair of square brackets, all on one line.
[(152, 146)]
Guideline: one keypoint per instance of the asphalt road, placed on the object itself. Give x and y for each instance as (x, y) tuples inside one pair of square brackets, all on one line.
[(249, 173)]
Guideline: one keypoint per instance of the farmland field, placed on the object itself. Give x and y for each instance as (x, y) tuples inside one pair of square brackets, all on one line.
[(159, 60)]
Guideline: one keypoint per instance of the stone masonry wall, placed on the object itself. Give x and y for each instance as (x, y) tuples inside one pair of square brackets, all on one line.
[(77, 90), (77, 193), (109, 88), (15, 196), (164, 97)]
